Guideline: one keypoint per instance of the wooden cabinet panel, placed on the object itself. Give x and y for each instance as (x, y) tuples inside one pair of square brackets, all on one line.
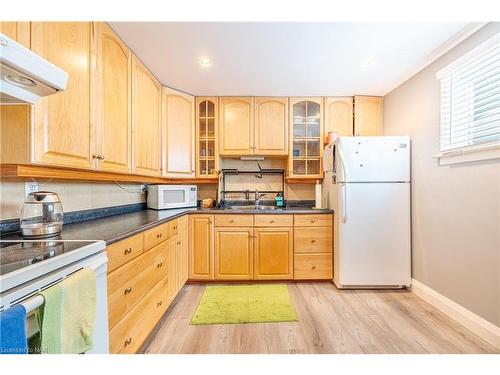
[(178, 133), (233, 253), (312, 240), (19, 31), (129, 334), (207, 154), (313, 266), (236, 125), (183, 251), (271, 126), (121, 252), (320, 220), (154, 236), (201, 247), (368, 115), (173, 227), (225, 220), (273, 253), (146, 124), (63, 131), (339, 116), (114, 117), (279, 220), (171, 249), (129, 283)]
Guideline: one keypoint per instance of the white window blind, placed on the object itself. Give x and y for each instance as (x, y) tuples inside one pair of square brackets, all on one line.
[(470, 99)]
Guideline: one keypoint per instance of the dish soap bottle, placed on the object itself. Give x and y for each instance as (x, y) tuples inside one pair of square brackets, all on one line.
[(279, 200)]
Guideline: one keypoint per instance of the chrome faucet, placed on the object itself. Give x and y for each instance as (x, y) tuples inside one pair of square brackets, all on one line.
[(258, 197)]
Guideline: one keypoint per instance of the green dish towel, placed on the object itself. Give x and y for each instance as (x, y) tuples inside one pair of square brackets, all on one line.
[(68, 314)]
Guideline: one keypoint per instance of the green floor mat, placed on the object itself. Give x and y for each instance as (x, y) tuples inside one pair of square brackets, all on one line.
[(245, 304)]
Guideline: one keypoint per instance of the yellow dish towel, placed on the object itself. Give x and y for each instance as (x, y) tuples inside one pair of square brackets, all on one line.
[(78, 311)]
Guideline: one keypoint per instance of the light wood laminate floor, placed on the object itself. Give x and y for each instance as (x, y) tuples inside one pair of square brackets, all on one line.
[(330, 321)]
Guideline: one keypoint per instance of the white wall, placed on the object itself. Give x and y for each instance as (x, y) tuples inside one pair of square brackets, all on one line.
[(456, 209)]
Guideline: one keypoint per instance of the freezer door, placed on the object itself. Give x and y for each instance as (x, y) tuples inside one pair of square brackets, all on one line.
[(373, 159), (374, 234)]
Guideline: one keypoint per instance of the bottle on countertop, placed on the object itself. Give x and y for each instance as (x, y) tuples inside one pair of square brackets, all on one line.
[(279, 200)]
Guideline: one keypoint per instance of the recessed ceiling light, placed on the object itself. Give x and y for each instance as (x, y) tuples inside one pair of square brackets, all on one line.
[(205, 62), (366, 63)]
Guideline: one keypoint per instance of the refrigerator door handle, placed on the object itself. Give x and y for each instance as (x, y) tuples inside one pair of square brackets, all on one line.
[(343, 198), (344, 174)]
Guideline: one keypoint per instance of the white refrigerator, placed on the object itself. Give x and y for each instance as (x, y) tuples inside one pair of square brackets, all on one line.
[(367, 184)]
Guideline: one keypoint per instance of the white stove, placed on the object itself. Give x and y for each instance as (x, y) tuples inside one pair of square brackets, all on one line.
[(28, 267)]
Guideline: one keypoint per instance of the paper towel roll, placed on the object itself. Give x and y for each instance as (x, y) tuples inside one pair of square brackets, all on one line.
[(318, 203)]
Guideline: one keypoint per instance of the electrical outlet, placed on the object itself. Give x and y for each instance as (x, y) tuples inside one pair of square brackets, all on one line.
[(30, 187)]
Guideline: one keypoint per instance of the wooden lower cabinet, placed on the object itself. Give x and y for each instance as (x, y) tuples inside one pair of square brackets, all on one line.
[(273, 255), (234, 253), (201, 252), (129, 283), (182, 251), (316, 266), (127, 336)]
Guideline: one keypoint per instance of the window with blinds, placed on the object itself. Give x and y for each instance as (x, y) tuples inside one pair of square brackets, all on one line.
[(470, 99)]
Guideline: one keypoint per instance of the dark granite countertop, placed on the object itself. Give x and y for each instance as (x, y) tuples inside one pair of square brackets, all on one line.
[(117, 227)]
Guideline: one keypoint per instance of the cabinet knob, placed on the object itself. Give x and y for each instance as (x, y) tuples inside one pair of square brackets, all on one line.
[(178, 242), (128, 341), (128, 290), (95, 156), (313, 220), (231, 221), (159, 265), (313, 241), (159, 303), (313, 267), (271, 221), (128, 251)]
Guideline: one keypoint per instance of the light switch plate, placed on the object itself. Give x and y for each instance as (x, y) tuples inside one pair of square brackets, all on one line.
[(30, 187)]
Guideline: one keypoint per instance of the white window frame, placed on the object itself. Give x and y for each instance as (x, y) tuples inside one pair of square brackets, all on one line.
[(487, 151)]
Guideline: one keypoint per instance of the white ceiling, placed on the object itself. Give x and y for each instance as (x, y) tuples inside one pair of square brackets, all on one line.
[(287, 59)]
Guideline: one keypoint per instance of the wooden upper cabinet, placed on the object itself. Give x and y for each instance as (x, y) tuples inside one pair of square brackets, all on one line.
[(63, 130), (207, 156), (114, 115), (368, 115), (338, 116), (236, 125), (201, 247), (271, 126), (306, 138), (19, 31), (233, 253), (146, 125), (178, 133)]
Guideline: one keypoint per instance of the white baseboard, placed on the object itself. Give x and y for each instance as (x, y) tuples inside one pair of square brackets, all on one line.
[(481, 327)]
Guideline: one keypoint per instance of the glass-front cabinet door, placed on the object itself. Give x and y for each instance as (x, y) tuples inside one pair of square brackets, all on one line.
[(206, 137), (306, 140)]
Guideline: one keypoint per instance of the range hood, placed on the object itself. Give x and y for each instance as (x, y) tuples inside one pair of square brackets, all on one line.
[(25, 76)]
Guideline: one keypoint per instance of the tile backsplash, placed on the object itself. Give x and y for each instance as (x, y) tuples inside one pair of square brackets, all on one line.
[(74, 196)]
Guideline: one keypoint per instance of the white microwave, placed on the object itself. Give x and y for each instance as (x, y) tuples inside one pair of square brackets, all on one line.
[(161, 197)]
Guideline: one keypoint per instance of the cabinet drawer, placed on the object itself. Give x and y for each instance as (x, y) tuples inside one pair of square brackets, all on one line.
[(129, 334), (121, 252), (129, 283), (154, 236), (173, 228), (233, 220), (273, 220), (321, 220), (312, 266), (312, 240)]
